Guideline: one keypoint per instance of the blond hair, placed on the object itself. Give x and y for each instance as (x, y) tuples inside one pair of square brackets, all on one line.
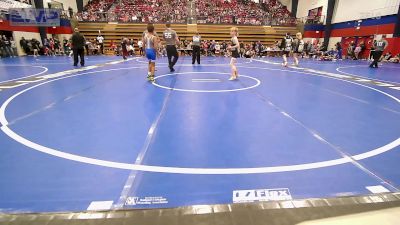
[(236, 30)]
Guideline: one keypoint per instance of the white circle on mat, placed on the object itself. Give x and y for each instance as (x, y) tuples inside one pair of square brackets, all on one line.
[(45, 69), (258, 82), (181, 170)]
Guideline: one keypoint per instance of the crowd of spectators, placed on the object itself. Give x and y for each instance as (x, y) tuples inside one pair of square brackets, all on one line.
[(270, 12), (96, 10), (237, 12), (277, 13), (154, 11), (50, 47), (208, 48), (8, 48), (5, 5)]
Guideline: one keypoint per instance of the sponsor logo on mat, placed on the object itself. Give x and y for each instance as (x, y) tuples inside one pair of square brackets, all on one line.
[(146, 200), (260, 195)]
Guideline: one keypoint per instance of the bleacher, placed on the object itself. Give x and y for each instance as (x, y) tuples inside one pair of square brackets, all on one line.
[(9, 4), (114, 32)]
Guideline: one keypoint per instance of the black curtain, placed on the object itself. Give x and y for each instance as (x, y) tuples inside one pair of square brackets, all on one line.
[(42, 30), (397, 28), (328, 25), (79, 5), (295, 3)]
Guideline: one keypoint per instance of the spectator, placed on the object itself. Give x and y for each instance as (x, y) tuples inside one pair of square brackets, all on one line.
[(362, 50), (357, 51), (124, 46), (7, 47), (387, 57), (70, 12), (24, 45), (140, 44), (395, 59), (35, 47), (2, 49), (13, 47), (350, 50), (100, 40), (339, 50), (175, 11)]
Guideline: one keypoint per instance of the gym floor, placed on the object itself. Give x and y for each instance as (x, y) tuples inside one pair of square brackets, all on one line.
[(102, 137)]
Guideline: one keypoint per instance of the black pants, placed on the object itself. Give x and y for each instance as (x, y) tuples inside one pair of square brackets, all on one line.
[(81, 53), (196, 54), (171, 51), (371, 54), (102, 48), (377, 55)]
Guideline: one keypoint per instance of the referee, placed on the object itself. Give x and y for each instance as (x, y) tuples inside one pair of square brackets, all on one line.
[(78, 44), (171, 38), (196, 48), (379, 47)]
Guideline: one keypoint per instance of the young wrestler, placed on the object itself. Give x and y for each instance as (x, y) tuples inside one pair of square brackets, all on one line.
[(150, 42), (298, 46), (234, 48), (286, 46)]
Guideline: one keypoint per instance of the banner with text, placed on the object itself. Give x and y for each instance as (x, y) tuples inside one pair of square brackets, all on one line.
[(35, 17)]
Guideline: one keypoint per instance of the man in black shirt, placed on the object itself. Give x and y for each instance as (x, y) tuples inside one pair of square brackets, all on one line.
[(24, 45), (71, 12), (78, 44), (2, 49), (7, 46), (339, 50)]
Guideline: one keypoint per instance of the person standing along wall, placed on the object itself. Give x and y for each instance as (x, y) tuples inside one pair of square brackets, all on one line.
[(13, 47), (124, 47), (24, 45), (2, 50), (100, 40), (7, 44), (339, 50)]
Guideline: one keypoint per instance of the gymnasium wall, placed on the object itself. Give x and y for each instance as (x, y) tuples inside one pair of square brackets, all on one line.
[(17, 35), (66, 4), (359, 18), (333, 41), (346, 10), (30, 32), (367, 27), (305, 5), (64, 28), (287, 3)]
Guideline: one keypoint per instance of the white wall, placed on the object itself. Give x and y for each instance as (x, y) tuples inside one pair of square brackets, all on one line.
[(305, 5), (85, 2), (333, 41), (66, 4), (287, 3), (69, 3), (61, 36), (362, 9), (17, 35)]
